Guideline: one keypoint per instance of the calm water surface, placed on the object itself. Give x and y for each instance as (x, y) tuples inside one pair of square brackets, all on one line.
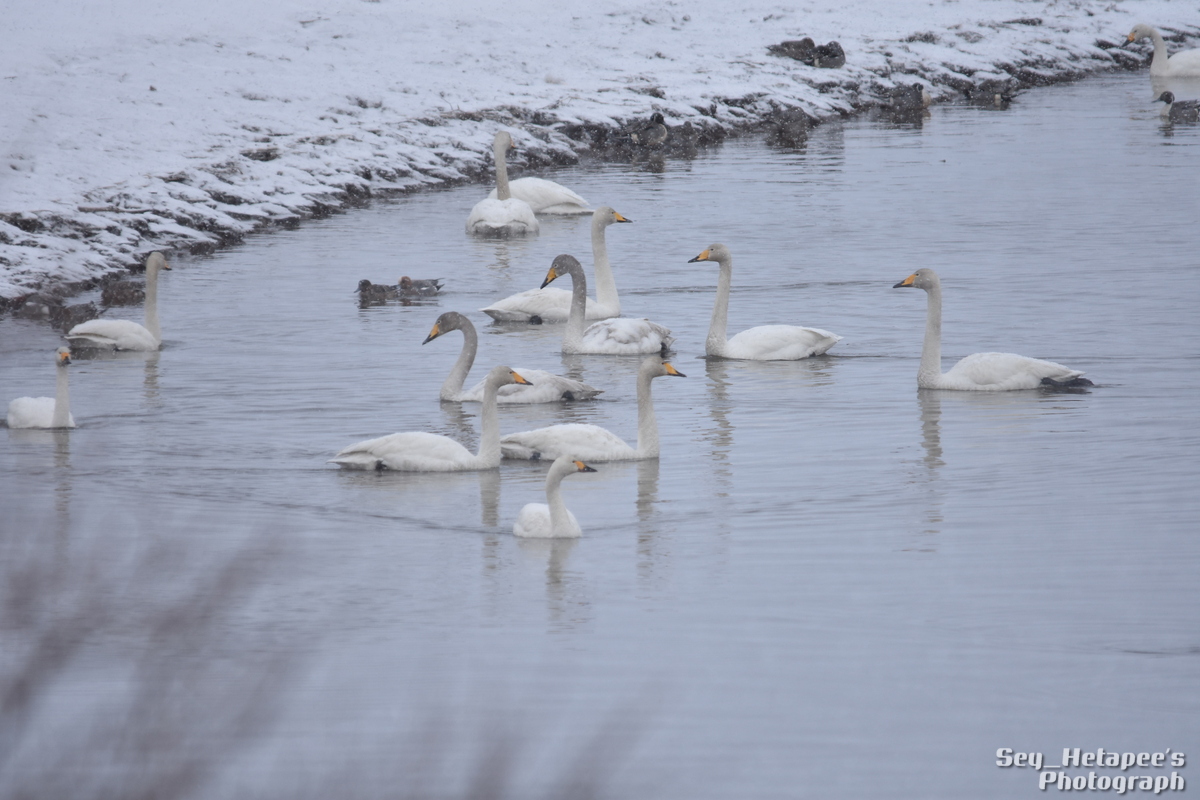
[(830, 584)]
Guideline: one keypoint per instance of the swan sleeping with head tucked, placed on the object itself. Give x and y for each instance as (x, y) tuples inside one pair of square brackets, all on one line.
[(591, 442), (418, 451), (1184, 64), (621, 337), (501, 214), (46, 412), (121, 334), (552, 519), (981, 372), (764, 343), (546, 387), (551, 304)]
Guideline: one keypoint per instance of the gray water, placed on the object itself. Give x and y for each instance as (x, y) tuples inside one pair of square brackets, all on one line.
[(830, 584)]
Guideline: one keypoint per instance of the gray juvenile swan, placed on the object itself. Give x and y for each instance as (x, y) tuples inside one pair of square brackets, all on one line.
[(46, 412), (552, 519)]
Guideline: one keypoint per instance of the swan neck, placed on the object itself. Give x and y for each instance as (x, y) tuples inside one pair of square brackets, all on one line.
[(152, 304), (62, 401), (502, 190), (453, 386), (606, 284), (558, 509), (715, 344), (1159, 60), (576, 319), (647, 441), (489, 427), (930, 371)]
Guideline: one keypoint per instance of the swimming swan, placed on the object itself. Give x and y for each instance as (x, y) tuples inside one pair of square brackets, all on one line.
[(554, 305), (46, 412), (121, 334), (610, 336), (418, 451), (981, 372), (552, 519), (591, 442), (543, 196), (501, 214), (546, 387), (764, 343), (1184, 64)]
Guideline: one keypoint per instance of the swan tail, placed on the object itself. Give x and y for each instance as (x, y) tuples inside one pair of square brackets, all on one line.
[(516, 450), (358, 460)]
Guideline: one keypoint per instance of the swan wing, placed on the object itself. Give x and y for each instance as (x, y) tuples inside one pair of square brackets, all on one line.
[(550, 304), (34, 412), (120, 334), (577, 440), (414, 451), (546, 197), (546, 388), (534, 522), (511, 217), (622, 336), (1184, 64), (999, 372), (779, 343)]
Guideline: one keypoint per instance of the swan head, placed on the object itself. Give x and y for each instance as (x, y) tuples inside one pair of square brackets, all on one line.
[(923, 278), (657, 367), (563, 265), (503, 142), (1140, 32), (1165, 97), (606, 215), (503, 376), (450, 321), (715, 252), (62, 356), (157, 261)]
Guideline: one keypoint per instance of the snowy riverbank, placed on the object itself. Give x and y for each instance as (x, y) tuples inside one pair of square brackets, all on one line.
[(128, 128)]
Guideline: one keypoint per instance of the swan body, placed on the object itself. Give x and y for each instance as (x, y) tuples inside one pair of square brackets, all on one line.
[(554, 305), (418, 451), (1178, 111), (46, 412), (1184, 64), (552, 519), (503, 214), (546, 197), (546, 386), (764, 343), (121, 334), (591, 442), (607, 337), (980, 372)]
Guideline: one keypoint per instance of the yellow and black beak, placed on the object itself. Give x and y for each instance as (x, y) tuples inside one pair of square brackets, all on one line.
[(166, 265), (433, 334), (550, 276), (619, 218), (519, 379), (907, 282), (582, 467), (672, 371), (64, 358), (702, 257)]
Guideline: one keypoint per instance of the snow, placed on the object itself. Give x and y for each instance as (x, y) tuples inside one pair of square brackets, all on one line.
[(131, 126)]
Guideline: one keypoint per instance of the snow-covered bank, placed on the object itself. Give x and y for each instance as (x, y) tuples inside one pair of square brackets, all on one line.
[(129, 128)]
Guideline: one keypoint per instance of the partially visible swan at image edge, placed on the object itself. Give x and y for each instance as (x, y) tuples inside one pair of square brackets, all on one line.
[(46, 412), (1184, 64), (418, 451), (543, 196), (503, 214), (591, 442), (616, 336), (121, 334), (552, 519), (546, 386), (764, 343), (980, 372), (553, 304)]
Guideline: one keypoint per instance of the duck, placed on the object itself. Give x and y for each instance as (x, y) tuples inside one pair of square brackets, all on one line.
[(981, 372), (913, 97), (500, 213), (591, 442), (1181, 111), (764, 343), (618, 336), (419, 287), (543, 196), (418, 451), (1184, 64), (653, 135), (121, 334), (46, 412), (546, 387), (552, 519), (553, 304), (375, 292)]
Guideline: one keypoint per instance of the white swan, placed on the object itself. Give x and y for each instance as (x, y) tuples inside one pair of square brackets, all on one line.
[(591, 442), (121, 334), (501, 214), (981, 372), (552, 519), (764, 343), (621, 337), (554, 305), (543, 196), (46, 412), (418, 451), (546, 386), (1184, 64)]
